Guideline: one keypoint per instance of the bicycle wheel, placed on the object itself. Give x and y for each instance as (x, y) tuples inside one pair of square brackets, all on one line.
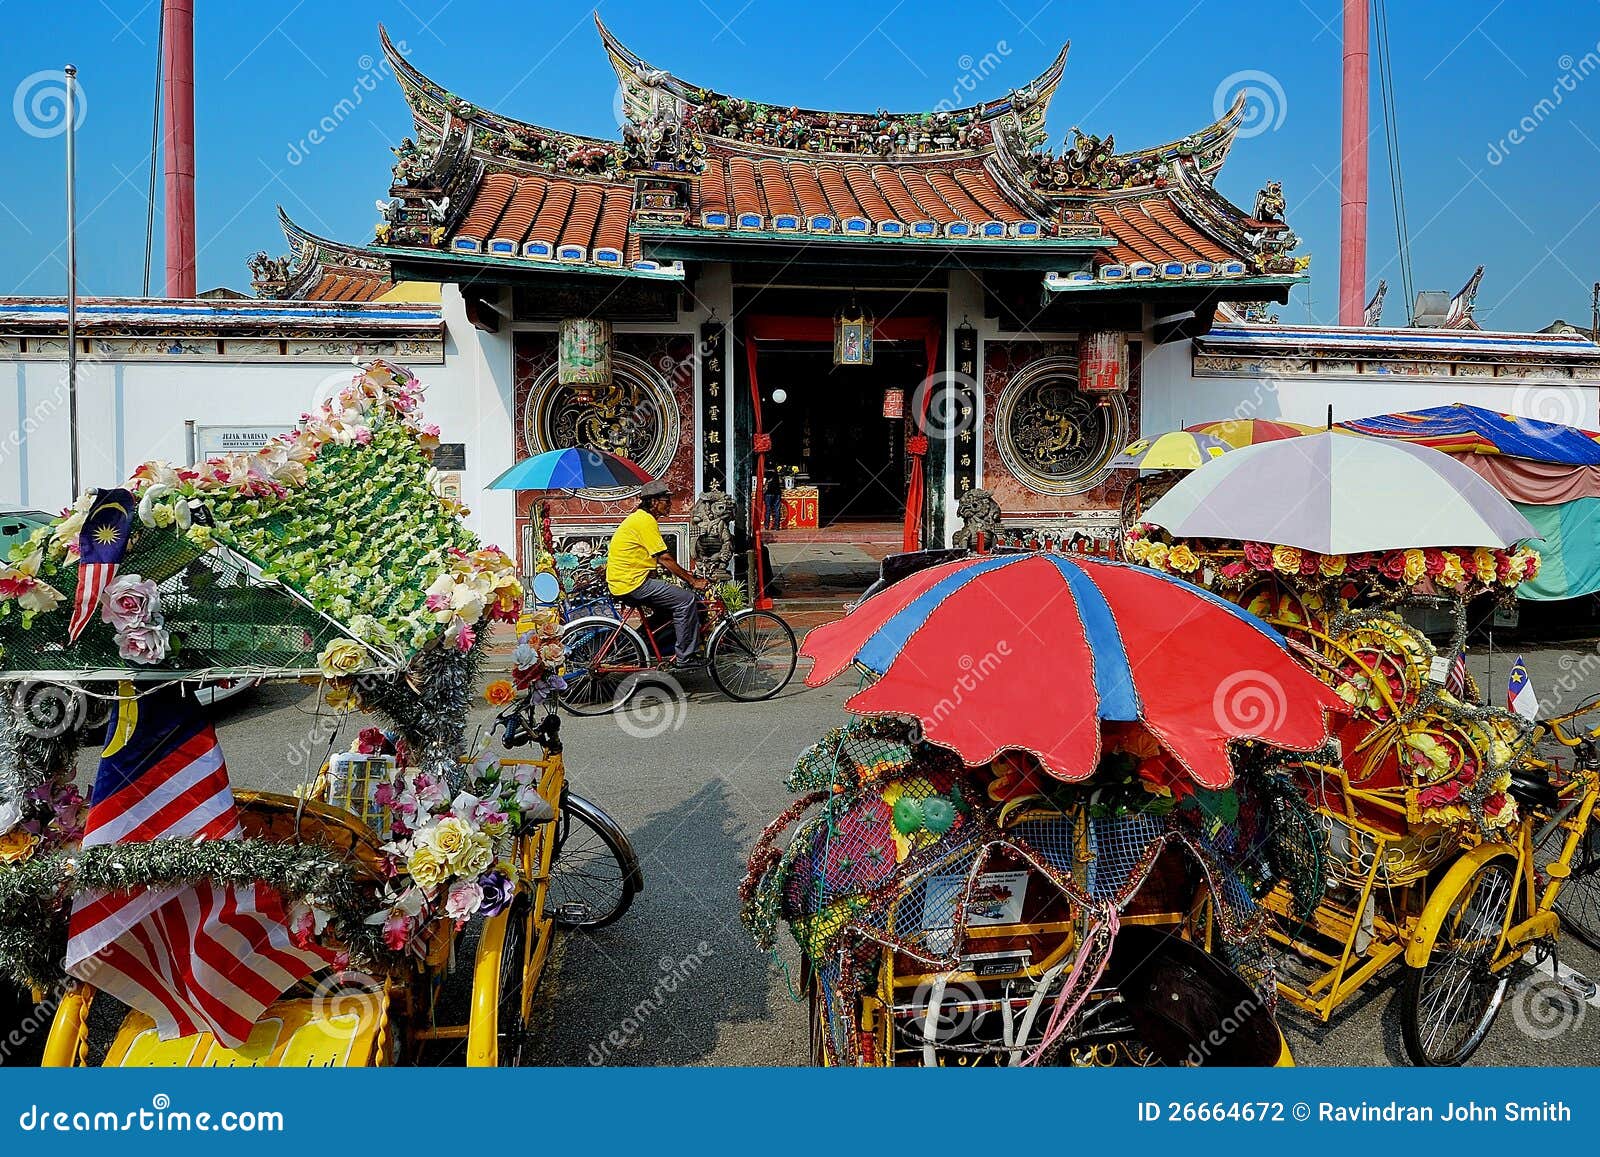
[(1447, 1005), (498, 1031), (752, 656), (595, 873), (603, 660), (1578, 902)]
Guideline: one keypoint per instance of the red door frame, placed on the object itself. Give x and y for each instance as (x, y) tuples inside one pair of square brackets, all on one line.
[(769, 327)]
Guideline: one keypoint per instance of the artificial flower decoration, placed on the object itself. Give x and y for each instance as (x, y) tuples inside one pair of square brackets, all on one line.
[(499, 692)]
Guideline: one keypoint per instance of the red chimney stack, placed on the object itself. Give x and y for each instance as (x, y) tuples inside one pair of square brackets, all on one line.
[(1353, 168), (177, 72)]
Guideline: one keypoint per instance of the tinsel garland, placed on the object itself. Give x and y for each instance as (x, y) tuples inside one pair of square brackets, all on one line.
[(36, 896), (27, 760), (428, 706)]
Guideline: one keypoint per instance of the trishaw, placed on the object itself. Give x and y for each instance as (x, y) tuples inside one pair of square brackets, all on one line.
[(1454, 834), (976, 886), (208, 926)]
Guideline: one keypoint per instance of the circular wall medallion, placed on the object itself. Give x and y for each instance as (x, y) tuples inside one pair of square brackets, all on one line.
[(635, 416), (1055, 439)]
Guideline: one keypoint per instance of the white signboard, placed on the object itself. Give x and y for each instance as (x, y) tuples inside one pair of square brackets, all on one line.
[(213, 440)]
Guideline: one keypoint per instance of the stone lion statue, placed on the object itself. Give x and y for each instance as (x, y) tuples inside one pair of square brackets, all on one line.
[(712, 539), (979, 514)]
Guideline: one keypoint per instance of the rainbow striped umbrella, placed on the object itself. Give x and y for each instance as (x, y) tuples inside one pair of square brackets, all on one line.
[(575, 468)]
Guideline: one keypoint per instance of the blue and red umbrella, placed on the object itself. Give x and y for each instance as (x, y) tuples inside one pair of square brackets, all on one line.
[(1033, 652), (574, 468)]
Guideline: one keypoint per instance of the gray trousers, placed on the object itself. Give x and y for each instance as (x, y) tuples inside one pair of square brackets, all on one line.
[(682, 605)]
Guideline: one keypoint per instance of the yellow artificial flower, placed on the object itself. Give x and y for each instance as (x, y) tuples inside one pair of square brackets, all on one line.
[(17, 845), (1483, 562), (341, 657), (476, 857), (340, 697), (1139, 550), (1157, 556), (1453, 572), (450, 837), (1331, 565), (1286, 559), (427, 866), (1416, 566), (1181, 559)]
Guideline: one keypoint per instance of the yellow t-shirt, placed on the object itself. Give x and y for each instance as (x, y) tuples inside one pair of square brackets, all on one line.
[(632, 556)]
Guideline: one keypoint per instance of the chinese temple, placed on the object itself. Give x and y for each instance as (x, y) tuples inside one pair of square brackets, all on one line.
[(885, 309)]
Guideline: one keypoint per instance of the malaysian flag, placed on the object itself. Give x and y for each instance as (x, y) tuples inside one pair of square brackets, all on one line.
[(101, 545), (1455, 679), (194, 958)]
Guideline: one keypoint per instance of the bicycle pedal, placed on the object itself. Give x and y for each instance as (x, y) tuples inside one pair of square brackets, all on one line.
[(1578, 985), (574, 912)]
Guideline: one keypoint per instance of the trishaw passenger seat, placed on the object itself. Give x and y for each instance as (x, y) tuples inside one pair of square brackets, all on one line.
[(1531, 788)]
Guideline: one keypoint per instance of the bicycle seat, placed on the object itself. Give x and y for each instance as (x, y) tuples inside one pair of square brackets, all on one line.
[(1531, 787)]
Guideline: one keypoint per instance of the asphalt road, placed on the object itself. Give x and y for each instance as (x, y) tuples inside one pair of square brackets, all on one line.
[(678, 982)]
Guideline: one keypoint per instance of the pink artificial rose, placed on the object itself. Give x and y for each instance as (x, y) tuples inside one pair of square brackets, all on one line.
[(371, 741), (130, 601), (143, 644), (466, 638), (464, 899)]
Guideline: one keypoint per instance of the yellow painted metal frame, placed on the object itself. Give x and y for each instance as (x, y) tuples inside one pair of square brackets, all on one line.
[(298, 1035)]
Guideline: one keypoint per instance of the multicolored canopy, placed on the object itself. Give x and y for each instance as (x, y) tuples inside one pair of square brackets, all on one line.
[(1242, 432), (575, 468), (1336, 494), (1464, 429), (1032, 652), (1174, 450)]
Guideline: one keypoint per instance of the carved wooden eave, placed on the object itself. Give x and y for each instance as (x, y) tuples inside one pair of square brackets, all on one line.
[(490, 135), (318, 269), (650, 93)]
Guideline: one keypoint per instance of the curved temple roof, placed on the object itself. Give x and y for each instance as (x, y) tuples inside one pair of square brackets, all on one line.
[(644, 87)]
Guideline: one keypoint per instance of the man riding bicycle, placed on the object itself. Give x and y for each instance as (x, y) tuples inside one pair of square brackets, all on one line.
[(636, 550)]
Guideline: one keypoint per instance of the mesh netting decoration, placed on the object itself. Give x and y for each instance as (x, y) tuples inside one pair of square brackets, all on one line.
[(910, 852)]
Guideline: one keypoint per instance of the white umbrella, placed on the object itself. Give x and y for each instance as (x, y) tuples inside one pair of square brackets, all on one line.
[(1336, 494)]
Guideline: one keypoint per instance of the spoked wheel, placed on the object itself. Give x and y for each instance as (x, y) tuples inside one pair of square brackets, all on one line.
[(1578, 902), (752, 656), (595, 874), (1447, 1005), (604, 658), (498, 1033)]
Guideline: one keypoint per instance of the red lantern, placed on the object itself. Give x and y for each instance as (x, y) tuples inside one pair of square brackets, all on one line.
[(894, 402), (1103, 362)]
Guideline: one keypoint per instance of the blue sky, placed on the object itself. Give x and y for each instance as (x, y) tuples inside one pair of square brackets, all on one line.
[(1469, 79)]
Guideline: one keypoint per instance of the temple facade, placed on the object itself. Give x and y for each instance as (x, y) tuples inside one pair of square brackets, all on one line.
[(1005, 299), (884, 311)]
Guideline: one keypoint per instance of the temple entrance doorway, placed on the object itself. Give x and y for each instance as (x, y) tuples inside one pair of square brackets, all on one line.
[(837, 465)]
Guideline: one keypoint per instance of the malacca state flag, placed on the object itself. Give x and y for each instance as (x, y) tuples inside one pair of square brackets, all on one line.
[(195, 957)]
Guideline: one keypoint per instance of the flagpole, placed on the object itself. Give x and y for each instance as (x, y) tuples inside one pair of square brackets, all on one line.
[(72, 277)]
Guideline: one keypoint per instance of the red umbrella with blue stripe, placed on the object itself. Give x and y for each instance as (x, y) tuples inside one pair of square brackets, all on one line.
[(1032, 652)]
